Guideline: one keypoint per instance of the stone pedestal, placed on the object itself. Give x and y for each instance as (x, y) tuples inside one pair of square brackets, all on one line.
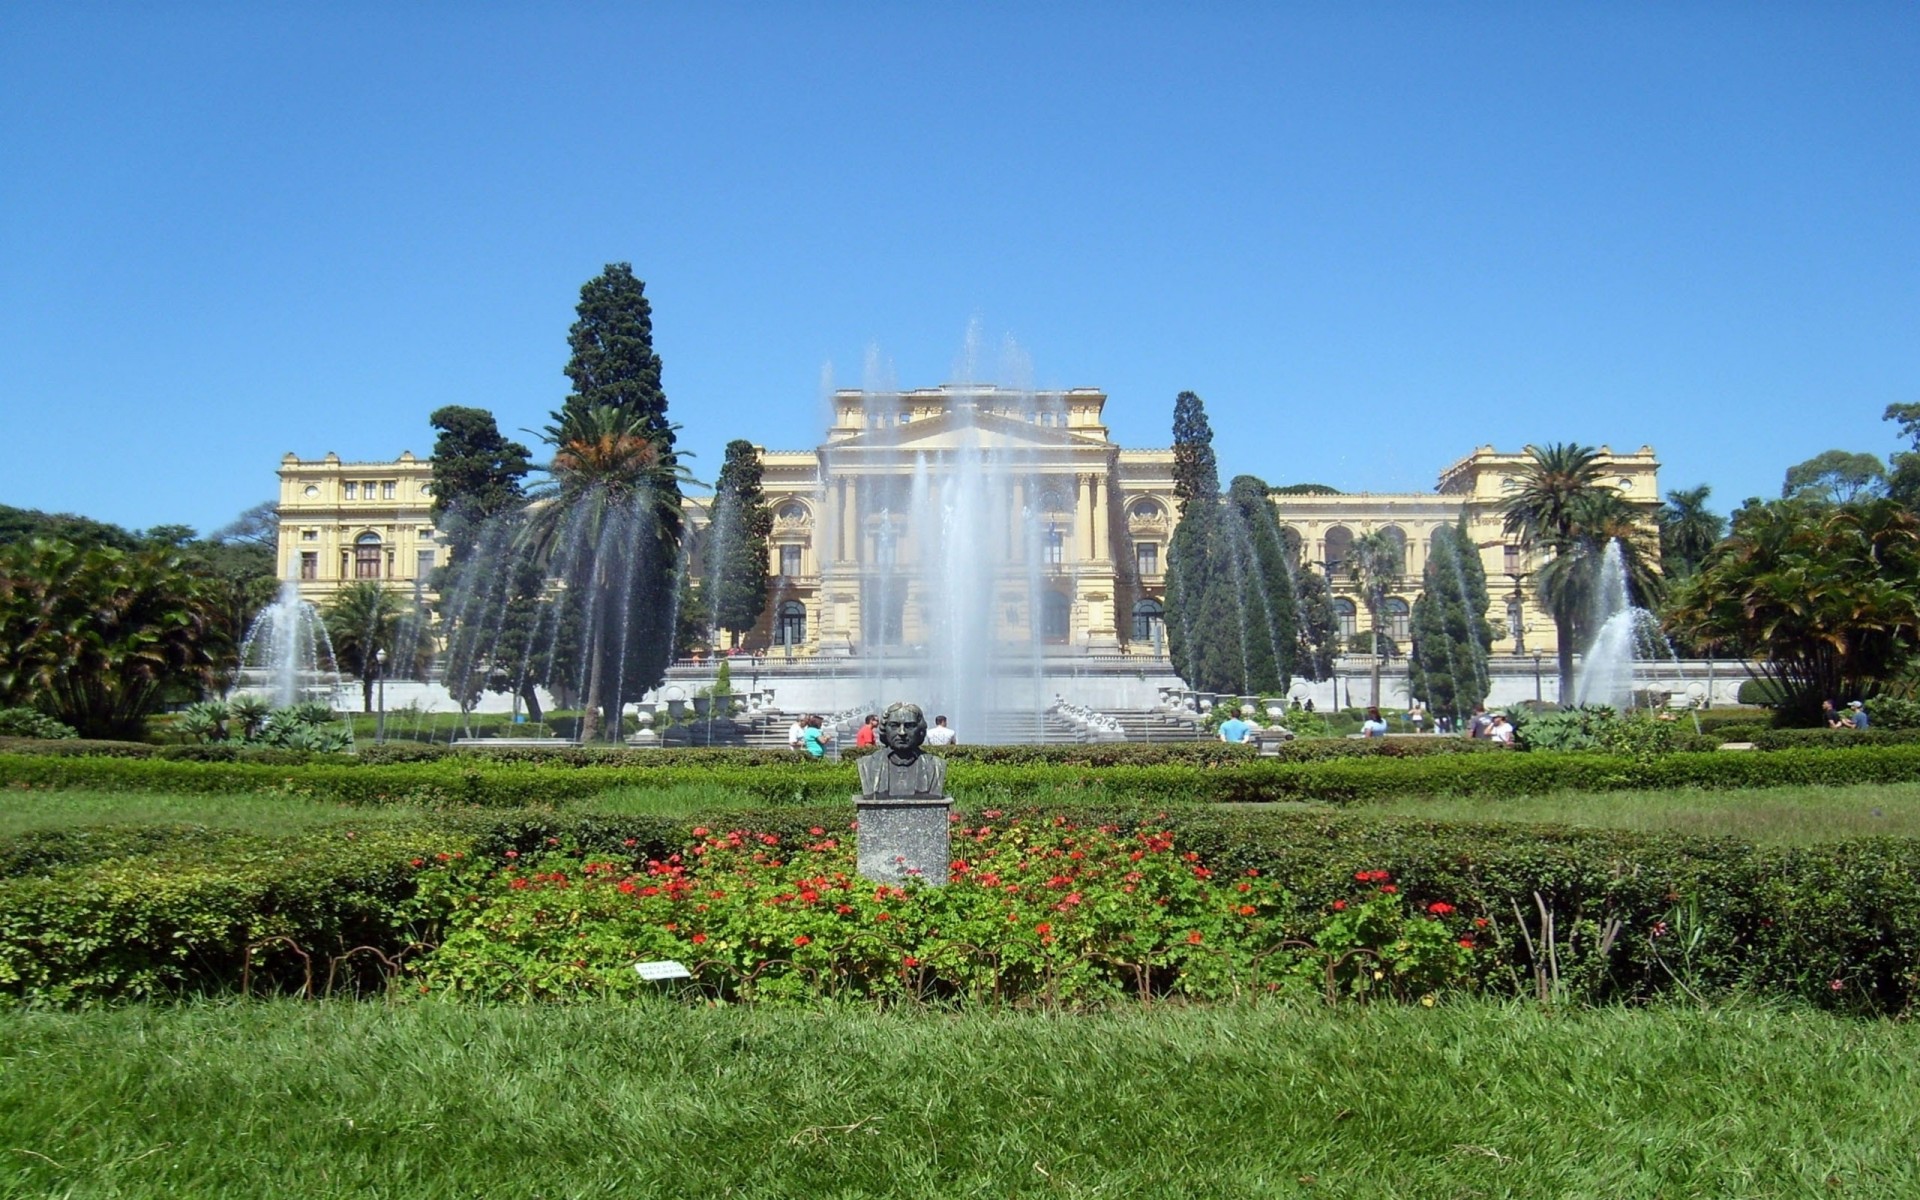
[(900, 840)]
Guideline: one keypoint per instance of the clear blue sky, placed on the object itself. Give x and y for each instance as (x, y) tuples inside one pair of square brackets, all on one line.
[(1371, 237)]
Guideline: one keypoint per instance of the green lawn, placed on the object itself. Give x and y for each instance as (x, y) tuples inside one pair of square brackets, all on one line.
[(1790, 815), (425, 1101)]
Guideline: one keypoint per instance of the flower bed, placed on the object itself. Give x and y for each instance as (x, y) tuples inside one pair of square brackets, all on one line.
[(1047, 911)]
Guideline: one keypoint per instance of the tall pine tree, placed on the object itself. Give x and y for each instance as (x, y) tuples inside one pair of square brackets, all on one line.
[(736, 576), (1194, 601), (477, 474), (612, 364)]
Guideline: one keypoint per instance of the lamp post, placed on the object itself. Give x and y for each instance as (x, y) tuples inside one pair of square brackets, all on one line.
[(1536, 681), (380, 685)]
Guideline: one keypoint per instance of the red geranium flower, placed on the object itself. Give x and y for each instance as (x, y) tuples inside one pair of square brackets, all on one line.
[(699, 938), (1339, 906), (801, 939), (1439, 908), (1193, 938)]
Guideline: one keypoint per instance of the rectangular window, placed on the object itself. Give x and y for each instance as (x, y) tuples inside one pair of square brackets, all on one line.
[(1055, 548), (350, 490), (388, 489), (423, 564), (309, 535), (366, 561), (1512, 560), (310, 564), (366, 489), (789, 560), (1147, 557)]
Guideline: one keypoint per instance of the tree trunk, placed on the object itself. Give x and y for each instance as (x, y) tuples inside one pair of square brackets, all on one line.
[(532, 701), (366, 693), (1563, 634), (590, 711)]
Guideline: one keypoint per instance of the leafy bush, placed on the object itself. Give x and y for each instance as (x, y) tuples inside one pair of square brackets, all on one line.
[(32, 723), (1762, 692), (1894, 712), (1832, 739)]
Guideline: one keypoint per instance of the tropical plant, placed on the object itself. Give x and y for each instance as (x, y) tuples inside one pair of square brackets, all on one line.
[(96, 637), (1544, 512), (31, 723), (1375, 565), (606, 528), (372, 629), (1823, 599), (1688, 531)]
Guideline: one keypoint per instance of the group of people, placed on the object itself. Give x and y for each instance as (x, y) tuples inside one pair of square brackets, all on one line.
[(809, 736), (1854, 718)]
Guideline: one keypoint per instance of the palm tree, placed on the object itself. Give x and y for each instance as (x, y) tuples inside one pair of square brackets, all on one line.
[(1687, 531), (1376, 563), (606, 527), (1543, 512), (363, 622)]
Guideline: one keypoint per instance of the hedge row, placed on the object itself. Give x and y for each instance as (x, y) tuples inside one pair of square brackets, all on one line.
[(200, 915), (178, 916), (1799, 739), (1334, 781)]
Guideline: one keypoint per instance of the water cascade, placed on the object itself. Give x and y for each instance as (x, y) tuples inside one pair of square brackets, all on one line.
[(287, 652), (1623, 635)]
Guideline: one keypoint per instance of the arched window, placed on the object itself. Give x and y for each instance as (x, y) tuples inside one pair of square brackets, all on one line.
[(1056, 617), (1399, 620), (1146, 510), (793, 511), (790, 628), (1348, 616), (366, 556), (1398, 537), (1149, 622), (1339, 549)]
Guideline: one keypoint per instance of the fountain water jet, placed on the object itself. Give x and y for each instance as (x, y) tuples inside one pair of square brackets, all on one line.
[(287, 652), (1623, 635)]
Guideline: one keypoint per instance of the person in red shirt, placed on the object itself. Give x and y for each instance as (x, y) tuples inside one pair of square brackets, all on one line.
[(869, 731)]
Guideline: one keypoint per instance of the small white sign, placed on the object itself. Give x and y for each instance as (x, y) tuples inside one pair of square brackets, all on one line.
[(654, 972)]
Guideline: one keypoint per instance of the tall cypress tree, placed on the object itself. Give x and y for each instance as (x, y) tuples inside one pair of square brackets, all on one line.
[(612, 362), (477, 474), (1447, 666), (1194, 600), (616, 383), (735, 590)]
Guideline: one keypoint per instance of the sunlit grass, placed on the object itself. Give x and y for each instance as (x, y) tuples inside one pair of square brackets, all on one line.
[(23, 811), (1782, 815), (426, 1101)]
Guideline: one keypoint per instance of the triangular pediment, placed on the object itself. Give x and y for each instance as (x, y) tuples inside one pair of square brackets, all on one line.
[(986, 431)]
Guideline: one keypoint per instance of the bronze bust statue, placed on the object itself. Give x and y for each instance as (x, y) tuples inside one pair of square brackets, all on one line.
[(902, 772)]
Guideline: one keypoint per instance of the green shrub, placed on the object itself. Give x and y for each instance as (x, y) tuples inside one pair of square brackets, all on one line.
[(1762, 692), (1833, 739), (32, 723), (1893, 712)]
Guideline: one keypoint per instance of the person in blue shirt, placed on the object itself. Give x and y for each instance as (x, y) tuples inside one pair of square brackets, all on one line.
[(1234, 730), (1859, 714), (1375, 726)]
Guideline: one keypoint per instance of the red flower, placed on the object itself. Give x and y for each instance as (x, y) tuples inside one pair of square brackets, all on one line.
[(843, 909), (1439, 908), (1246, 910), (1479, 922), (699, 938), (1339, 906), (419, 862), (626, 887), (1362, 876), (1390, 890), (1836, 985), (801, 939), (1193, 938), (631, 842), (699, 831), (518, 884), (909, 961), (1466, 943), (816, 831), (883, 916), (513, 854), (1043, 927)]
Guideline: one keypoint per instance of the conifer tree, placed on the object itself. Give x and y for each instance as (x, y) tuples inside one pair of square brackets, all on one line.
[(736, 574), (1447, 667), (477, 474), (613, 364)]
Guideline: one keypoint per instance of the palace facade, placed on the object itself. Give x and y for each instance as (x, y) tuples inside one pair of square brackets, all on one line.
[(1083, 521)]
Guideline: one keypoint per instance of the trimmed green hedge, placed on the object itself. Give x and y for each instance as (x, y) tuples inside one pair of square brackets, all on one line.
[(1833, 739), (172, 913), (1334, 781)]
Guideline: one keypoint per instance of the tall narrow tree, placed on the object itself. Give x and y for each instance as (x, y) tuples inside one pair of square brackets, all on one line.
[(1543, 513), (1376, 564), (1447, 664), (736, 576), (613, 364), (1197, 604)]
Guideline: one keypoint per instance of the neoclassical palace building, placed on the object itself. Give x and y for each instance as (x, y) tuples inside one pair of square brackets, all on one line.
[(1044, 497)]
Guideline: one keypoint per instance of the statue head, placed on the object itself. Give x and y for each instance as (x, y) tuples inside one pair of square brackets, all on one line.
[(903, 727)]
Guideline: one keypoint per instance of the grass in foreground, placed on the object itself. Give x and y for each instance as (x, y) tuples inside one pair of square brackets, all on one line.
[(1785, 815), (427, 1101)]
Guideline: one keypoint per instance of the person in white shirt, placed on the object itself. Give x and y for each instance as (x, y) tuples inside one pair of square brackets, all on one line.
[(797, 735), (941, 734), (1500, 731)]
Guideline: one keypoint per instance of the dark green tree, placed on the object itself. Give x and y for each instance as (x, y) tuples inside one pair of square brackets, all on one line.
[(1195, 472), (478, 474), (1447, 665), (1837, 477), (1903, 466), (25, 524), (98, 637), (606, 529), (734, 588), (1319, 623), (1268, 625), (1199, 607), (1687, 531), (612, 363)]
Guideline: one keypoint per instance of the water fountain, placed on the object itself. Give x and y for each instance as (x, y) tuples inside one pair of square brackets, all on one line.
[(287, 653), (1623, 635)]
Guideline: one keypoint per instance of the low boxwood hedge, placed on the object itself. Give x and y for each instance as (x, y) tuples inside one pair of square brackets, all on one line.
[(462, 781), (1836, 924)]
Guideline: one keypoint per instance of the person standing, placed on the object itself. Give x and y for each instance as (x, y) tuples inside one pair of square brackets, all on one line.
[(869, 734), (797, 735), (1479, 723), (941, 734), (1416, 715), (814, 740), (1499, 732)]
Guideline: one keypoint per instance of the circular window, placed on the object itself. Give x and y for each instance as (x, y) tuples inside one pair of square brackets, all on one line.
[(311, 490), (792, 512), (1625, 484)]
